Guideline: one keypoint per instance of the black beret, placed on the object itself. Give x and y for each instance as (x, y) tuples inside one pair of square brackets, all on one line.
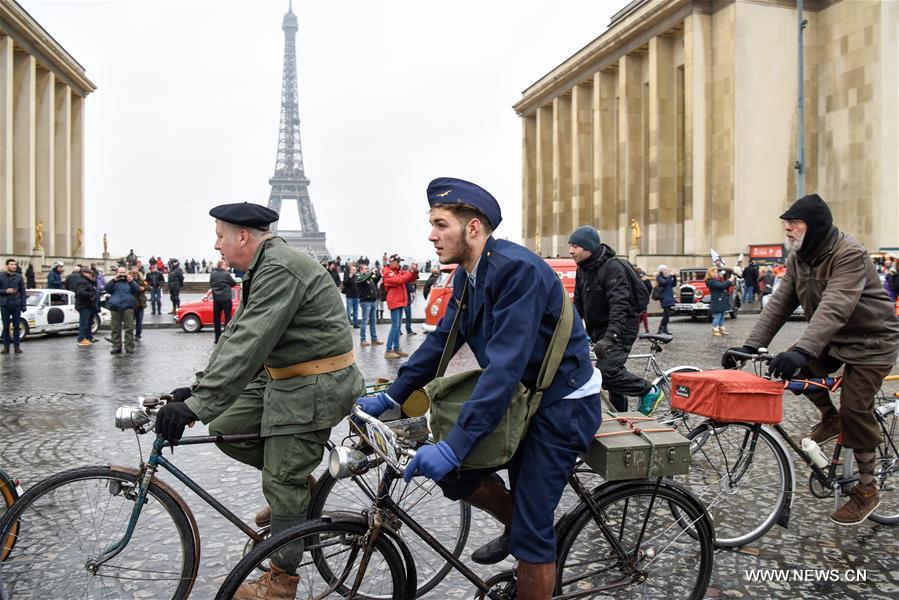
[(246, 214)]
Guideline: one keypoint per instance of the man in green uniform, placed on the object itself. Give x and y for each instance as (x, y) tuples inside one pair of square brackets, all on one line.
[(284, 369)]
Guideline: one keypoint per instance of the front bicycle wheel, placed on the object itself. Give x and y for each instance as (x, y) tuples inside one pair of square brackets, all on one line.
[(886, 467), (740, 473), (67, 520), (632, 546), (448, 521), (339, 559)]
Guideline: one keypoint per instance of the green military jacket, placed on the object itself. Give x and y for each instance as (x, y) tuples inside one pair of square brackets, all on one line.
[(294, 314)]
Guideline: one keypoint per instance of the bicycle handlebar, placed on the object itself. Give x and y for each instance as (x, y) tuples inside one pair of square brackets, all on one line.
[(758, 357)]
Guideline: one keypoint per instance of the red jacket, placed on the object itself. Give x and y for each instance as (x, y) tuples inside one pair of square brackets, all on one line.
[(395, 284)]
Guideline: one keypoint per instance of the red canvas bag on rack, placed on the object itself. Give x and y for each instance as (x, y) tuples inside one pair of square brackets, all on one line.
[(728, 396)]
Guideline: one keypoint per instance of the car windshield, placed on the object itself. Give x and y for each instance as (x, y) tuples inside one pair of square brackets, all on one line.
[(34, 298)]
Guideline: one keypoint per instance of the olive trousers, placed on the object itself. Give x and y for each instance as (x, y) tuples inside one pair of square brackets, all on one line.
[(285, 461)]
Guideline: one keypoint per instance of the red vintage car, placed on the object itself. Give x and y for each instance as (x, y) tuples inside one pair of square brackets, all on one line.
[(693, 295), (442, 289), (193, 316)]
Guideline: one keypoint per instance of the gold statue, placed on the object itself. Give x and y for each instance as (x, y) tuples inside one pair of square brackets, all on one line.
[(635, 233), (78, 234), (38, 235), (105, 245)]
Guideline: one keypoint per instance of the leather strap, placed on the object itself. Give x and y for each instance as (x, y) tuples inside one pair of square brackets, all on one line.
[(313, 367)]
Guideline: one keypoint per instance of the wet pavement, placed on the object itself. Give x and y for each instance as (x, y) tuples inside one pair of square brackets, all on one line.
[(57, 403)]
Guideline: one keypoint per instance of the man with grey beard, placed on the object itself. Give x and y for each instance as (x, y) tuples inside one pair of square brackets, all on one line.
[(851, 324)]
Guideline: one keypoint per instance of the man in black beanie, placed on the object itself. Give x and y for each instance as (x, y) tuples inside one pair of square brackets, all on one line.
[(851, 324), (610, 317)]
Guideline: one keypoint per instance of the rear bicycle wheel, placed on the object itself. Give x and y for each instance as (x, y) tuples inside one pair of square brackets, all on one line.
[(740, 473), (448, 521), (655, 556), (339, 559), (69, 519), (8, 495)]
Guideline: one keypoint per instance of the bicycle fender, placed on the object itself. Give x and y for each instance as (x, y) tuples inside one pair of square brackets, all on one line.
[(784, 518), (182, 504), (362, 519)]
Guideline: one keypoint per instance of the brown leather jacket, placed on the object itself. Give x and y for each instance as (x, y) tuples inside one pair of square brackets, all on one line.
[(850, 315)]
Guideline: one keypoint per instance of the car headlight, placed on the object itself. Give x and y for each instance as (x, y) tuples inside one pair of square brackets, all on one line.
[(434, 310)]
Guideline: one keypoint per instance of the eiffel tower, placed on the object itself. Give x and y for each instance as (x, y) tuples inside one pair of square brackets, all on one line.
[(289, 181)]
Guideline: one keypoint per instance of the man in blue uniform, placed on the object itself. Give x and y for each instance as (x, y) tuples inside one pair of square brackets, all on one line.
[(514, 302)]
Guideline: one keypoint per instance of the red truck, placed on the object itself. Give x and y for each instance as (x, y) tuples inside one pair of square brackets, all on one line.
[(692, 297), (442, 289)]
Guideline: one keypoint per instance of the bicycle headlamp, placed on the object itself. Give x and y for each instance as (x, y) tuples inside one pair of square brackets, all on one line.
[(127, 417), (343, 462)]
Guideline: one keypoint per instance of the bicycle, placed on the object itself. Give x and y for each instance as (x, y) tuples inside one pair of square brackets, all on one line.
[(622, 537), (79, 533), (744, 475), (10, 490)]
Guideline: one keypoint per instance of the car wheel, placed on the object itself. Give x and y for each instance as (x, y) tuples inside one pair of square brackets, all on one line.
[(709, 317), (733, 313), (95, 324), (23, 329), (191, 324)]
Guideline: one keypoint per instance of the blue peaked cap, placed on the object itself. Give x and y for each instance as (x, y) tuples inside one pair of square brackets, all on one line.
[(449, 190)]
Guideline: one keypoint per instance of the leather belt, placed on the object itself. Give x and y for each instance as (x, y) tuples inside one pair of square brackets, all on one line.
[(313, 367)]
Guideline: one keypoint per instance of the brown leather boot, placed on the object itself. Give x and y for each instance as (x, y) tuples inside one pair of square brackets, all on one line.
[(863, 501), (827, 429), (276, 583)]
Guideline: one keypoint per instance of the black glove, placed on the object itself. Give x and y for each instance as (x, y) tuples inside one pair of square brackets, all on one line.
[(729, 361), (171, 420), (786, 364), (181, 394), (602, 347)]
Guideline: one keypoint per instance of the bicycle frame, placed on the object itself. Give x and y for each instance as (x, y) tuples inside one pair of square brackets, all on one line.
[(145, 479)]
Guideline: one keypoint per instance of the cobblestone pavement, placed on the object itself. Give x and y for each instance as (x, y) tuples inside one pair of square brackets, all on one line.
[(58, 401)]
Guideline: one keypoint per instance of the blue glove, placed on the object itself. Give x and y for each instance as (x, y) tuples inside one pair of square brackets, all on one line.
[(786, 364), (375, 405), (432, 461)]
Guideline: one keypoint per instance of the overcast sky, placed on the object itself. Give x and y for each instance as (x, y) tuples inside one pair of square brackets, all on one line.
[(391, 95)]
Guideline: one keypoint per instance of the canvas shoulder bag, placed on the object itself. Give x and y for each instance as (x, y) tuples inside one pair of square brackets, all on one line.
[(447, 395)]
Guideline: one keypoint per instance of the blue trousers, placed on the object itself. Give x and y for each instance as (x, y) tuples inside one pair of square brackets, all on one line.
[(396, 322), (369, 319), (408, 312), (538, 473), (748, 294), (352, 310), (11, 315), (85, 316), (718, 319), (156, 300)]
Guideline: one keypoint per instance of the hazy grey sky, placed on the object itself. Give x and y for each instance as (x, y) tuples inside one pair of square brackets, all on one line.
[(392, 94)]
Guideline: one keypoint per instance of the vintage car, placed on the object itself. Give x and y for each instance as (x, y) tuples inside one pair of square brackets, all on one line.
[(692, 297), (798, 312), (193, 316), (442, 289), (53, 311)]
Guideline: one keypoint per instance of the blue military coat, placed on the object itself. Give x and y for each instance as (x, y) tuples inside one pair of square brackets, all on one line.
[(508, 321)]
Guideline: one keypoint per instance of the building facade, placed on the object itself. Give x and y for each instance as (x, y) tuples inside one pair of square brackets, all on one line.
[(42, 93), (683, 117)]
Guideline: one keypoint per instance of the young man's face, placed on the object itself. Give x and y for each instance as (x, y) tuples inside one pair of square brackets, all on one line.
[(448, 236), (11, 266), (578, 254)]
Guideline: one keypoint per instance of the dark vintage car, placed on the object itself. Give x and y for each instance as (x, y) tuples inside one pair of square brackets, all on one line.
[(692, 297)]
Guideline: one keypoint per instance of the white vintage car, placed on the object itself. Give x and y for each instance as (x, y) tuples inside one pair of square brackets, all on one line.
[(53, 311)]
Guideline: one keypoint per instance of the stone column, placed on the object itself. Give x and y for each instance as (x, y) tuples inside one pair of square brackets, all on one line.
[(662, 227), (630, 147), (697, 79), (6, 145), (529, 181), (24, 109), (581, 157), (62, 166), (77, 177), (544, 216), (562, 191), (44, 164), (605, 156)]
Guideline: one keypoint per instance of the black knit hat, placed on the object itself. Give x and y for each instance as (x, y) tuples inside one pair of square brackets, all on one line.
[(586, 237), (813, 210)]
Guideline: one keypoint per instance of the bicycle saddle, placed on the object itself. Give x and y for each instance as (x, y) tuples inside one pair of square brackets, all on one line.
[(662, 338)]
